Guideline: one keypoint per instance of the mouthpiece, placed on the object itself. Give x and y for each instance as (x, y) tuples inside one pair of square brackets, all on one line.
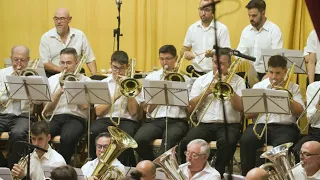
[(189, 68), (165, 66)]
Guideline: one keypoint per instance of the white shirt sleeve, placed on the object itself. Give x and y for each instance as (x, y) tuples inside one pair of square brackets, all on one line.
[(44, 50), (224, 38), (312, 111), (188, 40), (311, 43), (86, 49), (276, 41), (242, 47)]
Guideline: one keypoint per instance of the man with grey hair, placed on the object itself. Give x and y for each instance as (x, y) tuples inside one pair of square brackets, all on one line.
[(14, 114), (197, 166)]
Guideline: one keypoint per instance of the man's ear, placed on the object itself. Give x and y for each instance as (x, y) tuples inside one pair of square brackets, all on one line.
[(49, 137)]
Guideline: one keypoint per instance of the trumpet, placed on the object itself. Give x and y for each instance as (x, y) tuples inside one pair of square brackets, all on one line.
[(286, 82), (221, 91)]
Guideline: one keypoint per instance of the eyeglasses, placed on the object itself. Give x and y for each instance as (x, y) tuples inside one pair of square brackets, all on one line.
[(166, 58), (306, 154), (116, 68), (193, 155), (99, 146), (60, 18), (16, 60), (200, 9), (63, 63)]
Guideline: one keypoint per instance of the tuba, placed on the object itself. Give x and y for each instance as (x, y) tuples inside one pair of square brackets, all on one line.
[(281, 162), (31, 69), (120, 141), (168, 163), (286, 82)]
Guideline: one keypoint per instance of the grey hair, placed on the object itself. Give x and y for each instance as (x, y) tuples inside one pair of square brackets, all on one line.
[(27, 51), (205, 148)]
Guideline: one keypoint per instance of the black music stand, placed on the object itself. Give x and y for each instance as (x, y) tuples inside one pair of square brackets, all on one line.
[(174, 93), (87, 92)]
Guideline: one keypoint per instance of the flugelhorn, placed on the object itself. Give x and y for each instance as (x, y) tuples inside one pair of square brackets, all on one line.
[(286, 82)]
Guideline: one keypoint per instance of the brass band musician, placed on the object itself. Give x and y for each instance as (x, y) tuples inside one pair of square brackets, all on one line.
[(312, 57)]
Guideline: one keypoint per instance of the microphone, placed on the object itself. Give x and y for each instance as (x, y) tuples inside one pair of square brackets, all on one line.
[(118, 2), (237, 53)]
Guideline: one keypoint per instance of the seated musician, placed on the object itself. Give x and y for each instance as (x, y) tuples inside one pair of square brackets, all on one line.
[(69, 120), (102, 141), (197, 166), (64, 173), (40, 136), (155, 125), (125, 108), (257, 174), (281, 128), (313, 115), (14, 114), (211, 126), (309, 167)]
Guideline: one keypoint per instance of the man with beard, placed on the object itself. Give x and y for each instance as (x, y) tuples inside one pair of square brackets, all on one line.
[(200, 38), (310, 161), (260, 34), (60, 37)]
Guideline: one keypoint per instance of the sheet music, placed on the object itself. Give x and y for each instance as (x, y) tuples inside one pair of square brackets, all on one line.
[(177, 92)]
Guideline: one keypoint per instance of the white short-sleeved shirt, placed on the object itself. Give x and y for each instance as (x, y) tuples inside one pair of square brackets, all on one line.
[(201, 39), (63, 106), (313, 114), (89, 167), (208, 172), (51, 45), (173, 111), (280, 118), (313, 46), (299, 173), (15, 106), (124, 100), (253, 41), (215, 111)]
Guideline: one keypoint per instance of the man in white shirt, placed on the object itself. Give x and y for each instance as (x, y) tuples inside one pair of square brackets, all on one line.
[(281, 127), (260, 34), (102, 141), (124, 110), (69, 120), (14, 114), (313, 116), (309, 167), (155, 125), (60, 37), (200, 38), (197, 166), (312, 56), (40, 136), (211, 126)]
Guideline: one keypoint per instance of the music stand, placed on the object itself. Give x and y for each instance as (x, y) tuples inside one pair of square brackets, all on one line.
[(292, 56), (87, 92), (5, 173), (174, 93), (257, 101)]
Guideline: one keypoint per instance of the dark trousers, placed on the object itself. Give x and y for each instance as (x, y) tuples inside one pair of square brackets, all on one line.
[(18, 127), (214, 132), (313, 135), (101, 125), (277, 134), (156, 129), (71, 128)]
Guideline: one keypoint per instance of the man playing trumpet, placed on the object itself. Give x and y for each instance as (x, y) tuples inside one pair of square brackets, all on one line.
[(281, 127), (69, 120), (211, 116)]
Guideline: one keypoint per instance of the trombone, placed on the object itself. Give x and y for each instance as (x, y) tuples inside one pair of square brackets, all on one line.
[(221, 91), (286, 82), (129, 88)]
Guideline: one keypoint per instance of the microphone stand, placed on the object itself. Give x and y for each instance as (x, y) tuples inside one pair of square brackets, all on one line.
[(117, 32)]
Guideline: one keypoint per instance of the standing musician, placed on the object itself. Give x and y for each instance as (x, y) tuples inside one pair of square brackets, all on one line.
[(125, 108), (200, 38), (60, 37), (281, 127), (155, 125), (40, 136), (211, 126), (102, 142), (14, 114), (260, 34), (312, 57), (69, 120)]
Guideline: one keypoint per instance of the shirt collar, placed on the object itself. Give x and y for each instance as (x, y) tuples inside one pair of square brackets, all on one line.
[(47, 154), (199, 24), (266, 26), (54, 33)]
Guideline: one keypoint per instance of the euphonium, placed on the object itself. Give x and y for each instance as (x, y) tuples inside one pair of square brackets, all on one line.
[(31, 69), (282, 163), (120, 141), (286, 82), (168, 163), (73, 76)]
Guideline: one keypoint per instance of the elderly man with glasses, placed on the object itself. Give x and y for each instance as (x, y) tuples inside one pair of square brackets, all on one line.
[(309, 167), (197, 166)]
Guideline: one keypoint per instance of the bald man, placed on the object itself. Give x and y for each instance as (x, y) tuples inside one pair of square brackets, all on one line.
[(257, 174), (60, 37), (147, 170), (309, 167), (14, 114)]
